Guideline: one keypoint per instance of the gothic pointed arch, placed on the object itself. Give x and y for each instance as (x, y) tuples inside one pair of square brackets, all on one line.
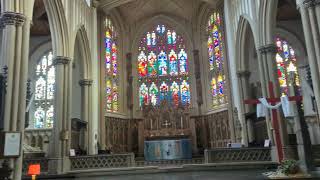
[(58, 27), (111, 64), (44, 92), (216, 60), (163, 67)]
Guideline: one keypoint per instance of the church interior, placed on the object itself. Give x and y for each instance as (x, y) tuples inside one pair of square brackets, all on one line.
[(141, 89)]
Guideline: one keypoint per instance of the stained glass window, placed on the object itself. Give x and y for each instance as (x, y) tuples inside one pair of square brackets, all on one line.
[(216, 60), (163, 68), (44, 93), (111, 67), (286, 63)]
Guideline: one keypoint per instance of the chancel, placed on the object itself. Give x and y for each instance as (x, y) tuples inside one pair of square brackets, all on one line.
[(160, 89)]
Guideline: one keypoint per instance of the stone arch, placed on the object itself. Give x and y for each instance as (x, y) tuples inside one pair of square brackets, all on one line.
[(247, 42), (122, 40), (267, 23), (176, 22), (244, 30), (58, 27), (81, 84), (295, 42), (40, 142), (205, 12), (82, 41), (36, 55), (33, 141)]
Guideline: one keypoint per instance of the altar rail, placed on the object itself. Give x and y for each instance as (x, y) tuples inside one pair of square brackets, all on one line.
[(174, 162), (44, 164), (237, 155), (39, 138), (102, 161)]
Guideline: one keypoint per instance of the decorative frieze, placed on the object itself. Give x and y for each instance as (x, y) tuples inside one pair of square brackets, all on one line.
[(85, 82), (12, 18), (269, 48), (61, 60)]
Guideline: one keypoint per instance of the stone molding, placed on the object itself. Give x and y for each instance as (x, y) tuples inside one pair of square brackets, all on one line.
[(269, 48), (61, 60), (311, 3), (85, 82), (244, 73), (12, 18)]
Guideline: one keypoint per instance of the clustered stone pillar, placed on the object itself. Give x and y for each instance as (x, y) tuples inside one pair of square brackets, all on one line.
[(60, 143), (129, 98), (198, 78), (15, 54), (310, 16), (86, 85), (243, 77), (269, 74)]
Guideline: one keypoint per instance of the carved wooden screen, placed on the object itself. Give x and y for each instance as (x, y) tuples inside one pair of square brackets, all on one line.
[(122, 135), (117, 134), (212, 130), (219, 129)]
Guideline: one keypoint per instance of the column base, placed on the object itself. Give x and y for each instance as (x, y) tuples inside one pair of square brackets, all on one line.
[(58, 165), (290, 152), (274, 154)]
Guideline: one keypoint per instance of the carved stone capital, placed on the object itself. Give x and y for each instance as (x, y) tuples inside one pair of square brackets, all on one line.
[(269, 48), (12, 18), (244, 73), (95, 3), (61, 60), (85, 82), (311, 3)]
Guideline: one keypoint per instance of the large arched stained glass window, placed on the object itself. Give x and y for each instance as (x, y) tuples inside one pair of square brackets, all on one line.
[(111, 68), (286, 64), (44, 93), (163, 68), (216, 61)]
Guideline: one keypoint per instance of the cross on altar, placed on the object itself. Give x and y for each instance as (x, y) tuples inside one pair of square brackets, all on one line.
[(167, 123), (275, 123)]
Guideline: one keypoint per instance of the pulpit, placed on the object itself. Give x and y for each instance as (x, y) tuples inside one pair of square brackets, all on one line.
[(167, 132)]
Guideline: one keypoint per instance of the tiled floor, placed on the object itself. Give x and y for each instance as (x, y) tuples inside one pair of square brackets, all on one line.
[(202, 175)]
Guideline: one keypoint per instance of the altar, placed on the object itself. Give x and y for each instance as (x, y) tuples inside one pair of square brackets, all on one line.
[(167, 149), (167, 132)]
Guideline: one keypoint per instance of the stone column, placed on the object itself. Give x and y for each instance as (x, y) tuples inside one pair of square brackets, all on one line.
[(14, 55), (59, 146), (309, 11), (129, 98), (85, 110), (247, 125), (198, 79), (264, 79), (268, 53)]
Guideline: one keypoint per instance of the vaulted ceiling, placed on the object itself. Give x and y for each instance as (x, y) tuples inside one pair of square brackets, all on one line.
[(40, 23), (134, 10), (287, 10)]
